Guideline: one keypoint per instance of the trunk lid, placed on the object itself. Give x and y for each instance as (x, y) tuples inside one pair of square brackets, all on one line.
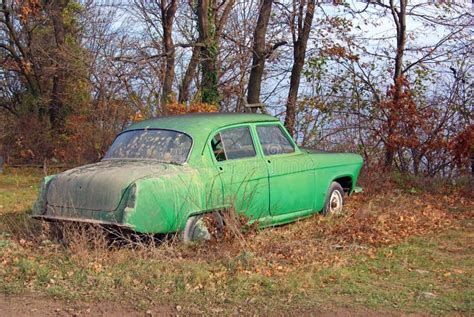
[(100, 186)]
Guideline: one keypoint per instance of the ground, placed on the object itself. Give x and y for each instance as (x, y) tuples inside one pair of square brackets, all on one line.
[(404, 247)]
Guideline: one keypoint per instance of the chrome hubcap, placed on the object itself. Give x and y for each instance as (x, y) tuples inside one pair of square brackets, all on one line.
[(335, 203), (200, 231)]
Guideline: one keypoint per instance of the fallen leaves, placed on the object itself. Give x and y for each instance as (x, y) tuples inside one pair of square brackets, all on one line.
[(391, 222), (372, 221)]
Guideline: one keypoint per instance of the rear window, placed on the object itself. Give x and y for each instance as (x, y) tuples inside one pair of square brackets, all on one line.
[(161, 145)]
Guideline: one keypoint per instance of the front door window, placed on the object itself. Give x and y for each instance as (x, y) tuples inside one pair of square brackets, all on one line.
[(232, 144), (273, 140)]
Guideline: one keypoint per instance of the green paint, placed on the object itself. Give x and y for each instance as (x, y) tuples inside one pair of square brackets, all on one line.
[(155, 197)]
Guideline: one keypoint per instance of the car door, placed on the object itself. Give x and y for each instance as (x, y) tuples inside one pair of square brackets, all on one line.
[(242, 171), (291, 172)]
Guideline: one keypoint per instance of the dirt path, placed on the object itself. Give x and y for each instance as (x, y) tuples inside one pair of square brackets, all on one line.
[(33, 305)]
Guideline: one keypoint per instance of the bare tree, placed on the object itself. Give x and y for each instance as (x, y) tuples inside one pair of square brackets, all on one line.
[(168, 11), (259, 52), (158, 49), (189, 75), (301, 20), (90, 69)]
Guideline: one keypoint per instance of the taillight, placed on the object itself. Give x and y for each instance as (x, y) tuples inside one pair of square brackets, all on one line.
[(132, 196)]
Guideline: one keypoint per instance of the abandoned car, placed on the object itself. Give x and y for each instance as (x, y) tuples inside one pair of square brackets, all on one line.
[(163, 175)]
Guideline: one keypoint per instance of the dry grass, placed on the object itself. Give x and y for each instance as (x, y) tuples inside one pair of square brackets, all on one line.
[(365, 258)]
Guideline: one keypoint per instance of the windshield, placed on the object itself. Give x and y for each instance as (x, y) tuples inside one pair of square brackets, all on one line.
[(162, 145)]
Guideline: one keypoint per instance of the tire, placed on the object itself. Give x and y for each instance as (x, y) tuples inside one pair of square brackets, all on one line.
[(203, 227), (334, 200)]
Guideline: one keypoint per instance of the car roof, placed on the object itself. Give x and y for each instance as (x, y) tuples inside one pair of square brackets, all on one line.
[(197, 124)]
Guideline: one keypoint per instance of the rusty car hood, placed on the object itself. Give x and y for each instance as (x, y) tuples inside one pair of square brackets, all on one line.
[(101, 186)]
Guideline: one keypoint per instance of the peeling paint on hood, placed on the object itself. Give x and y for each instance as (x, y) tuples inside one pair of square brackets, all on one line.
[(100, 186)]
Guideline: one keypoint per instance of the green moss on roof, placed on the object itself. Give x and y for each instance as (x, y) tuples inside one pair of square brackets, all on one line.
[(201, 122)]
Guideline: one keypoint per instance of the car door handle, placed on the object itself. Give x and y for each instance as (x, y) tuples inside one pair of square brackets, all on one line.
[(220, 168), (269, 161)]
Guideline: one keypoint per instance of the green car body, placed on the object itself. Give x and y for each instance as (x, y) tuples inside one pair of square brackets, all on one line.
[(247, 162)]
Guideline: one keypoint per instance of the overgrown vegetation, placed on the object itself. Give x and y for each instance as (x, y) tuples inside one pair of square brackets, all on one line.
[(404, 245)]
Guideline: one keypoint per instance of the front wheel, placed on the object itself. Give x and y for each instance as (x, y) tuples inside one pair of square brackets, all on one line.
[(334, 200), (203, 227)]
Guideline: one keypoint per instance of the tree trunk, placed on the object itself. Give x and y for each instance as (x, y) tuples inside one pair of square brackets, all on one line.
[(209, 51), (168, 11), (299, 51), (259, 53), (210, 27), (399, 17), (189, 75), (56, 108)]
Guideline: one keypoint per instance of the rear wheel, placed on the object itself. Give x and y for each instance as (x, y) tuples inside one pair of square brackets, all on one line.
[(203, 227), (334, 200)]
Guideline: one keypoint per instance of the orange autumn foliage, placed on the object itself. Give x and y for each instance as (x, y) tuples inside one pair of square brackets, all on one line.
[(409, 125), (88, 133), (175, 107), (462, 146), (28, 8), (338, 52)]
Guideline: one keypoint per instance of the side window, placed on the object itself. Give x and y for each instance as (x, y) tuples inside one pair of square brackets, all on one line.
[(234, 143), (273, 140)]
